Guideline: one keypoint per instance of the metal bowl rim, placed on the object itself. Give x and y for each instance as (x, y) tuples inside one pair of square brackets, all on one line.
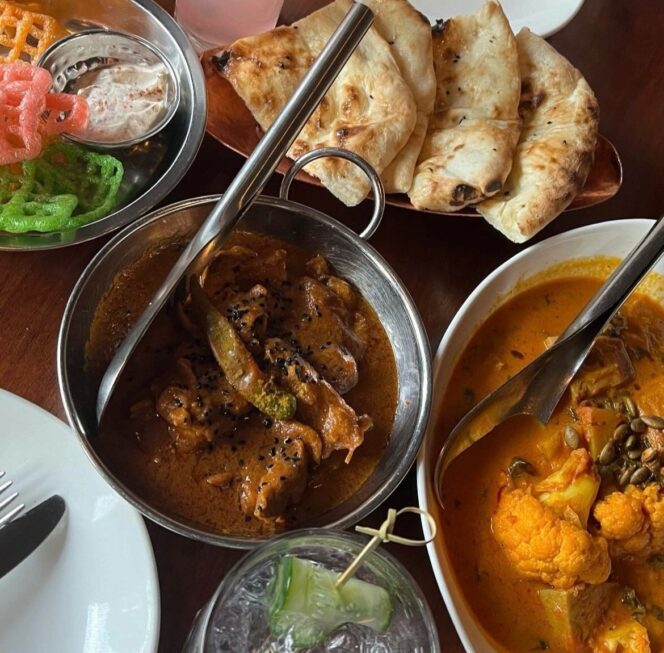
[(378, 263), (174, 81), (173, 174)]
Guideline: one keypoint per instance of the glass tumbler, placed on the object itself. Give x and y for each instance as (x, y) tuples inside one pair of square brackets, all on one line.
[(235, 619), (220, 22)]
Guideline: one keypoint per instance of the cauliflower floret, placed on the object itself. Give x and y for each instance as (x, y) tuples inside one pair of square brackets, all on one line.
[(620, 634), (653, 502), (573, 487), (633, 521), (623, 521), (545, 547)]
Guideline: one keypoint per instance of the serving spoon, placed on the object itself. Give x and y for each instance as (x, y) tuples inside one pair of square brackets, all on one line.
[(538, 388), (247, 185)]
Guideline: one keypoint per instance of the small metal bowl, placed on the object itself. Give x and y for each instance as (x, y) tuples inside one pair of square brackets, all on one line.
[(153, 168), (78, 54), (313, 231)]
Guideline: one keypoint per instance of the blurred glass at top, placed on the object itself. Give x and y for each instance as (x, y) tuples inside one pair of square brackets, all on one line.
[(220, 22), (240, 617)]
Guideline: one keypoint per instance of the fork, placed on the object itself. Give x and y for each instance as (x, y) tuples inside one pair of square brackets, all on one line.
[(7, 517)]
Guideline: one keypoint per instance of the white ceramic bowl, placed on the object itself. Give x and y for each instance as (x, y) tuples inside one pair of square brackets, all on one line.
[(614, 239), (543, 18)]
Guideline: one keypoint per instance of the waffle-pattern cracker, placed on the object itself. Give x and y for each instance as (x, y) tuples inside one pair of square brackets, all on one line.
[(24, 35)]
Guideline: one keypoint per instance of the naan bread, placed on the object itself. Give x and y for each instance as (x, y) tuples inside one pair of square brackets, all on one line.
[(555, 152), (409, 35), (468, 149), (369, 109)]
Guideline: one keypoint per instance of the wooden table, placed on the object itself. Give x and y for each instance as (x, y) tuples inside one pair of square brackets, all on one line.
[(620, 48)]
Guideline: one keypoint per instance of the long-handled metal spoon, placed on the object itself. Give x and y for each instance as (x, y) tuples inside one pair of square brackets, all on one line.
[(248, 183), (538, 388)]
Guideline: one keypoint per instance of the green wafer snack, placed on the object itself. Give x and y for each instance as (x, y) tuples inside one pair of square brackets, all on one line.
[(94, 178), (67, 187), (22, 209)]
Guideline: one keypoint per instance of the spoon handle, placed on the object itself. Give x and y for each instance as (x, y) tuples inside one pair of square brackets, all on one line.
[(272, 148), (633, 268), (249, 182), (570, 351), (537, 389)]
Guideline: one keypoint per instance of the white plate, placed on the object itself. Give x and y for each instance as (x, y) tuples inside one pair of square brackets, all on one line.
[(615, 238), (92, 586), (544, 17)]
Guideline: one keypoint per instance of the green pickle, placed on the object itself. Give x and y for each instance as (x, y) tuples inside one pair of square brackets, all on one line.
[(305, 603), (236, 361)]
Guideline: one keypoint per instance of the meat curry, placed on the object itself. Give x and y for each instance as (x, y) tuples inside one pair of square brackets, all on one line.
[(556, 533), (262, 403)]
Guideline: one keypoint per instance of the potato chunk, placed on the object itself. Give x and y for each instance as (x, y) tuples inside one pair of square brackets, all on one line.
[(574, 614)]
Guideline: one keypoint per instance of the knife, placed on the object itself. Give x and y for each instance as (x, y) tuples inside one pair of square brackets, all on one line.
[(19, 538)]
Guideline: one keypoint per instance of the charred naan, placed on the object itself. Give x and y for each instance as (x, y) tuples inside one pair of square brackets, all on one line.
[(467, 152), (555, 152), (409, 35), (369, 109)]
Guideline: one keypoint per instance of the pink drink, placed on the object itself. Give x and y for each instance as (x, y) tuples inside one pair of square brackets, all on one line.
[(220, 22)]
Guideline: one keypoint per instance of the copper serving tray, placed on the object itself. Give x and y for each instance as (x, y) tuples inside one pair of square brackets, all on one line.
[(231, 123)]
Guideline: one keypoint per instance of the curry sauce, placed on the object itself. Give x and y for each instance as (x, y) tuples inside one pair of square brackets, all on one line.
[(505, 601), (211, 468)]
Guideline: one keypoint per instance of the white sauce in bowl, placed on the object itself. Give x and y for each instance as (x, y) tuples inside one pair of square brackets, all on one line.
[(125, 100)]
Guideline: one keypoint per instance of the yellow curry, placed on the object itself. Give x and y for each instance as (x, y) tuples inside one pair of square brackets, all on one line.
[(556, 533)]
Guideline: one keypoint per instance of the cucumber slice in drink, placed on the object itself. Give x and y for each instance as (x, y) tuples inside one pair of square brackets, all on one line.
[(306, 603)]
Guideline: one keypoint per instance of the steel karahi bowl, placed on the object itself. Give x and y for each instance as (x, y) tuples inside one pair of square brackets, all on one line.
[(352, 258), (153, 167)]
